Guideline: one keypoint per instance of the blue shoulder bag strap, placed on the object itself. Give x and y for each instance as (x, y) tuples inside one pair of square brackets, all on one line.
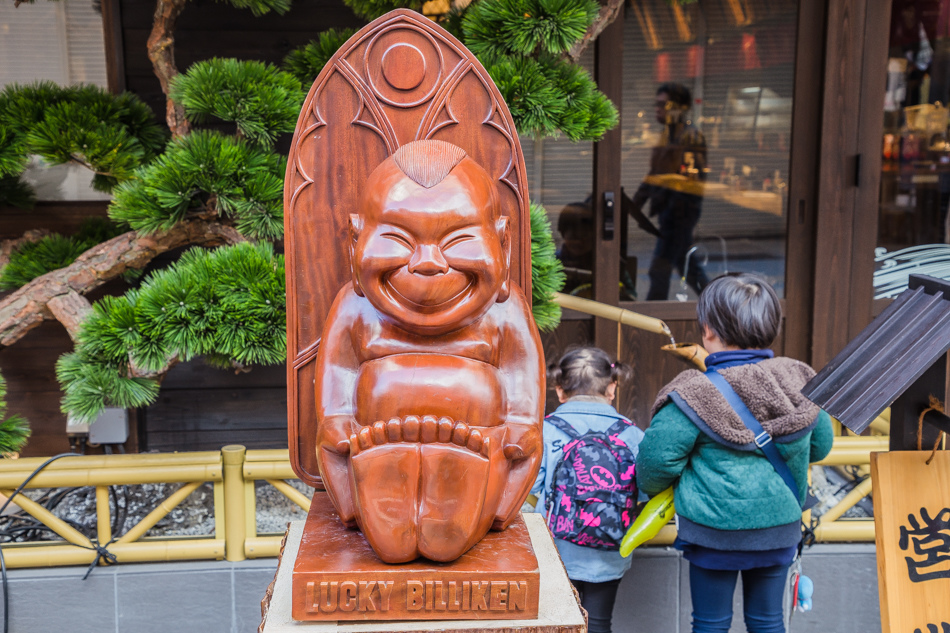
[(762, 439)]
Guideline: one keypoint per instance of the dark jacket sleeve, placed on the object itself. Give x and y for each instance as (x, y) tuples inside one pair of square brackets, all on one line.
[(665, 449)]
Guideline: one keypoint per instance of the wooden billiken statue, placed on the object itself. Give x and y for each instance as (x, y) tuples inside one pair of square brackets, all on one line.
[(429, 375), (415, 371)]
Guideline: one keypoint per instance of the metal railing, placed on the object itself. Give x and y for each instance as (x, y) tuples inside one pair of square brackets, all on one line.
[(233, 472)]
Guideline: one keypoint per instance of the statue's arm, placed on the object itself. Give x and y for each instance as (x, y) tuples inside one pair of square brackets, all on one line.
[(522, 367), (335, 386), (337, 369)]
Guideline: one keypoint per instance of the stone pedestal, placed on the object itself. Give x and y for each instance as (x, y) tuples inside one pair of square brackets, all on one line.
[(558, 609), (338, 577)]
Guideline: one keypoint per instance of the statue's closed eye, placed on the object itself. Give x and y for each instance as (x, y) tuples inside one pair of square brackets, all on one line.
[(400, 239), (458, 239)]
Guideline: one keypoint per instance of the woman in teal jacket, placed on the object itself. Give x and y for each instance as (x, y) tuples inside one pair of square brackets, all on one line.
[(734, 512)]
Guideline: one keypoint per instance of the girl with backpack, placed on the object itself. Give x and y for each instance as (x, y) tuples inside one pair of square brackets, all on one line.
[(736, 443), (587, 484)]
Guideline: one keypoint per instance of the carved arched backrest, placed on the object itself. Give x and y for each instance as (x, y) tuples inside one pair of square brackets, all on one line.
[(399, 79)]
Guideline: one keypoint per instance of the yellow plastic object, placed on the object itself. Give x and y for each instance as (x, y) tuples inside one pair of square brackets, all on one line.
[(657, 513)]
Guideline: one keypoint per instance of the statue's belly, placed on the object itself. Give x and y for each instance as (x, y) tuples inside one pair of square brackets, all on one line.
[(461, 389)]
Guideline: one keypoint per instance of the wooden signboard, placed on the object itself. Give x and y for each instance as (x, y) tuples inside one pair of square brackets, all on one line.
[(402, 78), (912, 522)]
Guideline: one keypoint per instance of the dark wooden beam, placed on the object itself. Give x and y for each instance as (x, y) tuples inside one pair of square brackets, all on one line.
[(115, 53)]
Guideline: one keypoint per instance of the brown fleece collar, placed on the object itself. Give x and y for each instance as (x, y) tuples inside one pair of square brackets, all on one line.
[(770, 388)]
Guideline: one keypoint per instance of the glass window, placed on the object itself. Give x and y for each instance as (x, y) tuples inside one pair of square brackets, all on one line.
[(915, 179), (706, 125), (560, 177)]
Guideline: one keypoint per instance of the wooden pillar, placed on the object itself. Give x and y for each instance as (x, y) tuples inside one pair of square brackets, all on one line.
[(849, 172)]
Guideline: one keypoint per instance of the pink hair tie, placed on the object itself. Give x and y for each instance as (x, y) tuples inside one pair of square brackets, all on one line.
[(613, 365)]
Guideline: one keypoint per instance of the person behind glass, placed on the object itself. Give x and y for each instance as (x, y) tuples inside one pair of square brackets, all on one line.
[(673, 188), (585, 380), (575, 224), (735, 513)]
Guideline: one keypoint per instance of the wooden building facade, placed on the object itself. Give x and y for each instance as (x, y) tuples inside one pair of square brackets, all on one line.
[(787, 95)]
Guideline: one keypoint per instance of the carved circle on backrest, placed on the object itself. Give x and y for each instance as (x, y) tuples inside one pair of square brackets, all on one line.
[(404, 65)]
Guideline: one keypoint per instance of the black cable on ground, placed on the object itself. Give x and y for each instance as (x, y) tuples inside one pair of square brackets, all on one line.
[(3, 564)]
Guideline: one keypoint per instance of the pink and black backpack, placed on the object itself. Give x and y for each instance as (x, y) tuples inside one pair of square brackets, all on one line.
[(594, 487)]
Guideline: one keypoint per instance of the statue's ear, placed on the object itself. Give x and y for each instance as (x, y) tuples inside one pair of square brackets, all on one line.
[(356, 227), (504, 236)]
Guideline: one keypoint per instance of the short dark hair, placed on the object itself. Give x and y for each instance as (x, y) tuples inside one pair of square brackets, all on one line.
[(677, 93), (586, 371), (742, 310)]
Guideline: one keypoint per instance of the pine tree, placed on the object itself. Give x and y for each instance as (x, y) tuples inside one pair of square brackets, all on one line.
[(205, 189)]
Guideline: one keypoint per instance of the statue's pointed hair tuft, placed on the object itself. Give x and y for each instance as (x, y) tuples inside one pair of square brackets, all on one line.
[(427, 163)]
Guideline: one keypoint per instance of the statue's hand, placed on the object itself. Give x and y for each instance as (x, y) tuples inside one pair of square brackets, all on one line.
[(333, 433), (523, 440)]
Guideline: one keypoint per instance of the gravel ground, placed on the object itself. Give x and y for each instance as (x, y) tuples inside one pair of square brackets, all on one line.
[(130, 504)]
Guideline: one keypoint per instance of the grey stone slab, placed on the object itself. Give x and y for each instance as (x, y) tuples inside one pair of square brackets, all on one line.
[(176, 601), (249, 588), (648, 599), (846, 596), (52, 603)]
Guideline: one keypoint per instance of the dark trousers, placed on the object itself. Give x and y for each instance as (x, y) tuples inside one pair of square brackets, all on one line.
[(598, 599), (676, 238), (762, 592)]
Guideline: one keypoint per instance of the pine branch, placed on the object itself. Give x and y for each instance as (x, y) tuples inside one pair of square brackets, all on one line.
[(161, 52), (227, 305), (607, 14), (26, 308), (306, 62), (263, 101), (547, 272), (8, 247)]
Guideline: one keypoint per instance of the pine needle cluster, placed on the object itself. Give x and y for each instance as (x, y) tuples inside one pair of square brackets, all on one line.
[(522, 43), (547, 272), (306, 62), (110, 134), (260, 99), (227, 305), (54, 251), (372, 9), (14, 430), (206, 172), (495, 29)]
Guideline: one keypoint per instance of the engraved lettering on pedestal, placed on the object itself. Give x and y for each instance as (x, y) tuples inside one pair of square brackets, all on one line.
[(348, 593), (366, 602), (415, 598), (480, 595), (440, 602), (329, 591), (385, 590), (466, 595), (498, 596), (517, 595), (453, 596), (429, 594)]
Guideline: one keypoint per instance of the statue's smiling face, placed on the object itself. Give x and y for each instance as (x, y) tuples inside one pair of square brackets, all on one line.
[(432, 259)]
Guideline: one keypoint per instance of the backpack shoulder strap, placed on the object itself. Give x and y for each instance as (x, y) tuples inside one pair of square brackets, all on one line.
[(762, 439), (618, 427), (562, 425)]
